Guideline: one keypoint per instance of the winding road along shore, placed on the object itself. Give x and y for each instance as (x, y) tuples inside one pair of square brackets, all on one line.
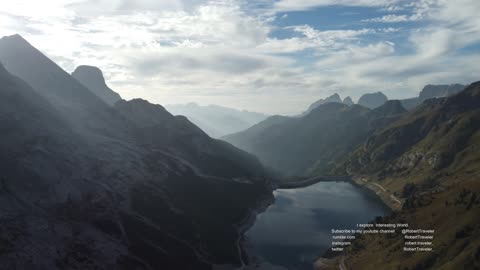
[(313, 180), (385, 195)]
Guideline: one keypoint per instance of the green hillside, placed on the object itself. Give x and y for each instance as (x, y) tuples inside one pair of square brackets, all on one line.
[(430, 160)]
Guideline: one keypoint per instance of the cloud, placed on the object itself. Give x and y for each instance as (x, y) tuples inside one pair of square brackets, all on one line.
[(194, 59), (392, 18), (298, 5), (227, 51)]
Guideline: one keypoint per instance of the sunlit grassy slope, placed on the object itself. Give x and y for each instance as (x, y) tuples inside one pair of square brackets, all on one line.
[(430, 159)]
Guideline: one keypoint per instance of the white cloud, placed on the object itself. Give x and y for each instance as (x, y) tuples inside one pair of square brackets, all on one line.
[(296, 5), (392, 18), (178, 51)]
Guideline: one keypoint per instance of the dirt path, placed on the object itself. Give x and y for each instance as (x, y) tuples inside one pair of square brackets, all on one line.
[(396, 202)]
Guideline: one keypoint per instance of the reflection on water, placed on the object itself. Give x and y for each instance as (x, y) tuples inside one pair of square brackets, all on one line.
[(296, 228)]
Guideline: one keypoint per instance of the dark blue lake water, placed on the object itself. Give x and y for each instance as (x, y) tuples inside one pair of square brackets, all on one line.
[(296, 229)]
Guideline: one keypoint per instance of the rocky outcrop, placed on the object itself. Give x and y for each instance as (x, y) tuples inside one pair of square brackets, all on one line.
[(92, 78)]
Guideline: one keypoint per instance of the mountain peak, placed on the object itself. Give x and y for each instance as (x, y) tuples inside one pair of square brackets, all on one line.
[(14, 37), (372, 100), (434, 91), (95, 72), (92, 78), (335, 98), (348, 101), (15, 40)]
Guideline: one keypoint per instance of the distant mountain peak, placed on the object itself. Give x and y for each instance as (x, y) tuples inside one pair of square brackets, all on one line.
[(372, 100), (335, 98), (348, 101), (434, 91), (92, 78)]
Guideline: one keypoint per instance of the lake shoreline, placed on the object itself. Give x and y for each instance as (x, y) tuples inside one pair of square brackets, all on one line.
[(248, 222), (300, 186), (387, 197)]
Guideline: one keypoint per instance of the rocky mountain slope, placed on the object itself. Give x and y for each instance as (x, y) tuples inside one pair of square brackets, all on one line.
[(88, 186), (430, 160), (157, 128), (429, 136)]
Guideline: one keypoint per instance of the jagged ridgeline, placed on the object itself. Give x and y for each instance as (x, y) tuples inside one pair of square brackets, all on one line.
[(96, 182)]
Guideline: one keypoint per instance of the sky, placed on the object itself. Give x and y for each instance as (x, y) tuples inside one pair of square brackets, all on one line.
[(271, 56)]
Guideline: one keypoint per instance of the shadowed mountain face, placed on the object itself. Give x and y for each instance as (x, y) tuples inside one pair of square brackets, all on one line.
[(82, 109), (156, 127), (92, 78), (313, 143), (372, 100), (35, 140), (217, 121), (85, 185)]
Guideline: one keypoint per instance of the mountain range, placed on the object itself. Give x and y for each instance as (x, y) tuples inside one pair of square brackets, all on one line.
[(374, 100), (217, 121), (88, 185), (310, 143)]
